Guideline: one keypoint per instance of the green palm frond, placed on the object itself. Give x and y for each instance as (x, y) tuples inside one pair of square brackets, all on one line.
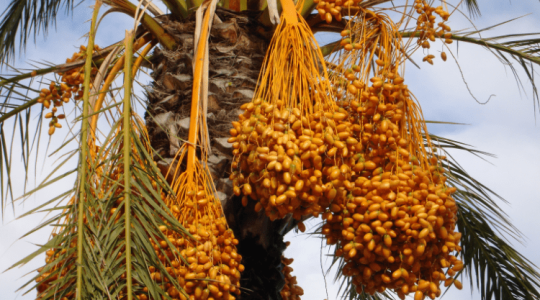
[(478, 196), (104, 243), (21, 120), (126, 119), (472, 7), (492, 264), (523, 49), (497, 269), (17, 123), (88, 255), (83, 171), (104, 256), (98, 58), (24, 18)]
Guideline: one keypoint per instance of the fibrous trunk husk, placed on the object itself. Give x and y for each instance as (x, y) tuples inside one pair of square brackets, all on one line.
[(236, 55)]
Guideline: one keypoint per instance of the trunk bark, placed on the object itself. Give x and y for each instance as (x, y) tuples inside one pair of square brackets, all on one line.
[(236, 55)]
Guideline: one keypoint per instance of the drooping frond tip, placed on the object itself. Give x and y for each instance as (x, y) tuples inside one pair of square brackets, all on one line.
[(26, 18), (473, 7)]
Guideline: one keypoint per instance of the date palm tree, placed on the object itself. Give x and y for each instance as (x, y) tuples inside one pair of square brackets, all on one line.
[(112, 235)]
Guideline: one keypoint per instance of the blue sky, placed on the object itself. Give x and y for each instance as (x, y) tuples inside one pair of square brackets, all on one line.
[(506, 127)]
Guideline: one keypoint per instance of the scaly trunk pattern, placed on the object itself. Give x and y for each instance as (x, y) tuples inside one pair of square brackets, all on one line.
[(236, 56)]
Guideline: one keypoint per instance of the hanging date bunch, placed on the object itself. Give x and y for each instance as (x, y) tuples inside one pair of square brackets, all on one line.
[(290, 129), (208, 264), (428, 28), (291, 290), (70, 87), (395, 224)]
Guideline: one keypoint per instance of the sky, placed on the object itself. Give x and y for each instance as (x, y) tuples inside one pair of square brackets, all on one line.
[(505, 126)]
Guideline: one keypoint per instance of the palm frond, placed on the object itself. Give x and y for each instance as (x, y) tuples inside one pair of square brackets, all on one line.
[(26, 18), (501, 272), (165, 39), (85, 145), (21, 120), (126, 118), (104, 243), (88, 254), (473, 7), (98, 58), (16, 123), (524, 49)]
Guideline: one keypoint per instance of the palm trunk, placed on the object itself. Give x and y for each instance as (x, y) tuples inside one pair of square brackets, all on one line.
[(236, 55)]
